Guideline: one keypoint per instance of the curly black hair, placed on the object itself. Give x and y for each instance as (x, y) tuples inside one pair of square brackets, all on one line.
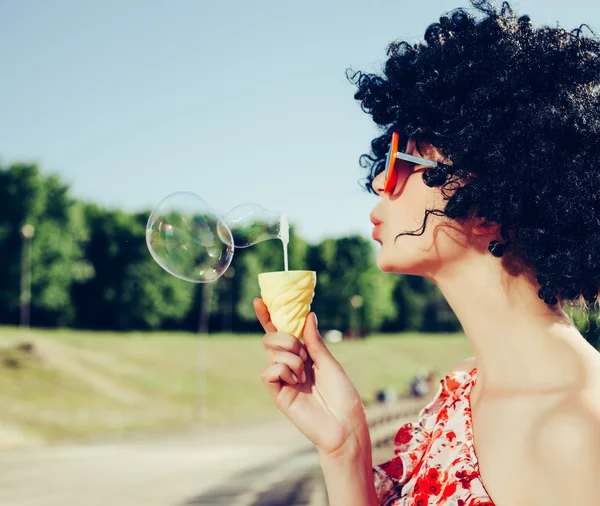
[(515, 109)]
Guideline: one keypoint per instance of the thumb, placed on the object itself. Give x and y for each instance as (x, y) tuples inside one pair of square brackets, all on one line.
[(315, 345)]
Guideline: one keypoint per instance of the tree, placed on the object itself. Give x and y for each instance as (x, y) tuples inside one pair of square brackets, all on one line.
[(129, 289), (346, 267), (58, 261), (438, 315), (410, 305)]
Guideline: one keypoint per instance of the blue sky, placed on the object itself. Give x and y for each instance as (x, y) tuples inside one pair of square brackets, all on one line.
[(238, 101)]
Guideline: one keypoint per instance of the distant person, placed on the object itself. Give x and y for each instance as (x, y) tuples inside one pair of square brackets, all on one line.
[(487, 173), (419, 386), (388, 395), (432, 380)]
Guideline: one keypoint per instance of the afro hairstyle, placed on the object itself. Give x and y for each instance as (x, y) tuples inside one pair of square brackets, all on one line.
[(515, 110)]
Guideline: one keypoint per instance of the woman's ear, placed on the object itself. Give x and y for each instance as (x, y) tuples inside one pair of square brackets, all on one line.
[(483, 227), (426, 149)]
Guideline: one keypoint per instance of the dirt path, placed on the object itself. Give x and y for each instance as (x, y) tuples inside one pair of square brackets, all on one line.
[(165, 470), (264, 463)]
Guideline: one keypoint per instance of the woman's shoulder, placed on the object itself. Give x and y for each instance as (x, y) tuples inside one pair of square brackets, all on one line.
[(466, 365), (450, 391), (459, 376)]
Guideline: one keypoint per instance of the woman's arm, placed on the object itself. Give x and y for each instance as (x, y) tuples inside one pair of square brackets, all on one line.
[(349, 474)]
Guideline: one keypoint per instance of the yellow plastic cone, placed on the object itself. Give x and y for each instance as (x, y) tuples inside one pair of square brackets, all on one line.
[(288, 295)]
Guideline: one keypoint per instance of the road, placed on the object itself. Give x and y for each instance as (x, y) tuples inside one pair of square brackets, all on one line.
[(265, 463), (166, 470)]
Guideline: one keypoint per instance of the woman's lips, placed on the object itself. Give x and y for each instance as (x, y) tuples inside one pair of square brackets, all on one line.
[(377, 225), (375, 233)]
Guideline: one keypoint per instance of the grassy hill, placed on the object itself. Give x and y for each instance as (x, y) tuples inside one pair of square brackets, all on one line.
[(62, 384)]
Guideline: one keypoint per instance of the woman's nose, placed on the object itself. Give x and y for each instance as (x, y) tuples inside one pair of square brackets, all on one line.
[(379, 183)]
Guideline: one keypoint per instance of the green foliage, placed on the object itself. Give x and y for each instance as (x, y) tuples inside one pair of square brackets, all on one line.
[(587, 322), (129, 290), (266, 256), (58, 261), (91, 268), (346, 268), (250, 266), (410, 301)]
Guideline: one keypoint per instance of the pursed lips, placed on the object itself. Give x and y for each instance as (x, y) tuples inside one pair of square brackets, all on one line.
[(376, 226)]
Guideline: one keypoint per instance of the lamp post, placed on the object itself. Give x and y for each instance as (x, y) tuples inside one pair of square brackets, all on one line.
[(227, 301), (356, 302), (203, 344), (25, 300), (205, 307)]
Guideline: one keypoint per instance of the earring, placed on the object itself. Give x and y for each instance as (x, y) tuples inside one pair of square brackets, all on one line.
[(496, 248)]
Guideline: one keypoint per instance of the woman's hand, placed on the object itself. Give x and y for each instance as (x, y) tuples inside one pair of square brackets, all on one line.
[(326, 407)]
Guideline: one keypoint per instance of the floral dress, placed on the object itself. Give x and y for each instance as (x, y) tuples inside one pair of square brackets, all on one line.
[(435, 461)]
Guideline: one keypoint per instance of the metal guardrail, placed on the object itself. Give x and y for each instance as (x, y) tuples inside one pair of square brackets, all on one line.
[(296, 479), (383, 418), (384, 422)]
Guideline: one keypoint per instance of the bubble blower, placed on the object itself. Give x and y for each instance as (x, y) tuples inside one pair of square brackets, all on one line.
[(188, 239)]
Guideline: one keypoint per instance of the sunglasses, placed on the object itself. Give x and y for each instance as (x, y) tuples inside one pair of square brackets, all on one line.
[(398, 173)]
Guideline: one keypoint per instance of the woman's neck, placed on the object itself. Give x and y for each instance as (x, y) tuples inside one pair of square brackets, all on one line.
[(520, 343)]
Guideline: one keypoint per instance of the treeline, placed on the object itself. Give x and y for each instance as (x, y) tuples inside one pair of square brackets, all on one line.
[(90, 268)]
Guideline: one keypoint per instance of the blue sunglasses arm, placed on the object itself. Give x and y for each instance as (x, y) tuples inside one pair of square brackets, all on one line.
[(416, 159)]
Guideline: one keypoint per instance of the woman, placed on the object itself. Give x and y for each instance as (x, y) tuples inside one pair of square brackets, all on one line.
[(501, 209)]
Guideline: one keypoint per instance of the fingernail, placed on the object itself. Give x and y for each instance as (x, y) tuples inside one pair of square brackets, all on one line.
[(303, 354), (295, 378), (316, 320), (303, 377)]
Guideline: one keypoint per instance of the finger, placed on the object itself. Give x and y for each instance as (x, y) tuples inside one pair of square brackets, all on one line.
[(315, 345), (262, 313), (286, 342), (293, 361), (275, 376)]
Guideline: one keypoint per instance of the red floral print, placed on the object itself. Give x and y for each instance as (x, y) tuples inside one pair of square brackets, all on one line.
[(403, 436), (435, 462)]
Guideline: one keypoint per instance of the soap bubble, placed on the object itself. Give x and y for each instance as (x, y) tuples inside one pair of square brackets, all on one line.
[(188, 239), (252, 223)]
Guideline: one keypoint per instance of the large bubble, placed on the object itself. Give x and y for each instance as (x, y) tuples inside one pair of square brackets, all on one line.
[(188, 239)]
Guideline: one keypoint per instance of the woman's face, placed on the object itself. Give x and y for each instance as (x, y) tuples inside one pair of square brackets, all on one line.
[(443, 243)]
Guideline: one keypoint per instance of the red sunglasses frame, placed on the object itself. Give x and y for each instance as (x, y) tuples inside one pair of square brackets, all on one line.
[(391, 175)]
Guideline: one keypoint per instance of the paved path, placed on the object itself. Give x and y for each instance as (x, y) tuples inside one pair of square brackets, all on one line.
[(162, 470), (266, 463)]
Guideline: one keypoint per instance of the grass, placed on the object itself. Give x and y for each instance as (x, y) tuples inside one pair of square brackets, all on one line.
[(79, 385)]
